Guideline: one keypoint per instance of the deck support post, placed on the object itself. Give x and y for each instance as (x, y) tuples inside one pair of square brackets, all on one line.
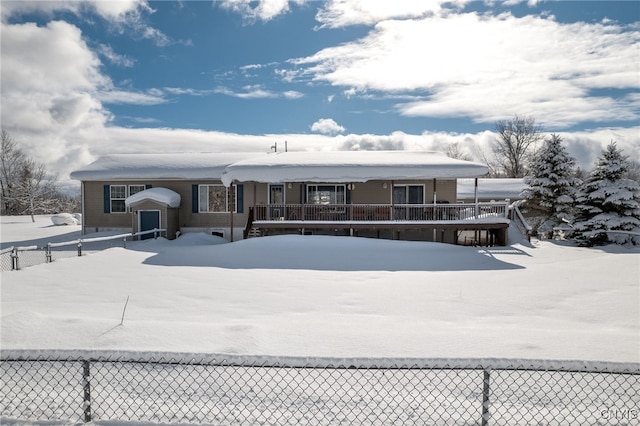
[(231, 212), (475, 196)]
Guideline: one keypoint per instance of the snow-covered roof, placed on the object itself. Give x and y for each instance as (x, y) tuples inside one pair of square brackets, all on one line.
[(160, 195), (349, 166), (200, 165), (491, 188)]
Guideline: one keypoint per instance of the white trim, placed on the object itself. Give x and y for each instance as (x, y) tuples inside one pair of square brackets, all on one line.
[(126, 188), (334, 185), (234, 208), (407, 185)]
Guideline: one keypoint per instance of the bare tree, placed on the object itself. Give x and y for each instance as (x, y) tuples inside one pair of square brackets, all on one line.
[(27, 187), (454, 151), (515, 144), (633, 172), (11, 163), (35, 191)]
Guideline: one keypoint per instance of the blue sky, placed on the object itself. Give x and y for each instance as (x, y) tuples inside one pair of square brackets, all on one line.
[(83, 79)]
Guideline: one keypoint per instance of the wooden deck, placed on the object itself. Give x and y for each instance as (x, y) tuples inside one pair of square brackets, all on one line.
[(354, 219)]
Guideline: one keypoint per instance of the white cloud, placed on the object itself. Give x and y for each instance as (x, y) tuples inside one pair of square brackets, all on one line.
[(257, 91), (186, 91), (124, 15), (490, 67), (251, 11), (111, 10), (292, 94), (343, 13), (127, 97), (49, 81), (327, 126), (113, 57)]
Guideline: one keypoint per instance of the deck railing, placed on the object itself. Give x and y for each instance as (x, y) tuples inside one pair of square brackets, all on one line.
[(378, 212)]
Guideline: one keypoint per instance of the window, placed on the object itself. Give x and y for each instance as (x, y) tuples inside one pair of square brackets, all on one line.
[(133, 189), (408, 194), (326, 194), (216, 199), (118, 193), (115, 195)]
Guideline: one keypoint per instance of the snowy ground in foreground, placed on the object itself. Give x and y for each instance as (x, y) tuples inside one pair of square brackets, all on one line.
[(325, 296)]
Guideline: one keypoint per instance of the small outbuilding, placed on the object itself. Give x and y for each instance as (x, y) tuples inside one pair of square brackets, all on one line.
[(155, 208)]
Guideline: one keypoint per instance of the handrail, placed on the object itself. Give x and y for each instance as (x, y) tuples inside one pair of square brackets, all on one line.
[(521, 221), (249, 224)]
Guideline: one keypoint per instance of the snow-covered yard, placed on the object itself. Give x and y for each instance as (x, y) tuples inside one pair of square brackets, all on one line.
[(325, 296)]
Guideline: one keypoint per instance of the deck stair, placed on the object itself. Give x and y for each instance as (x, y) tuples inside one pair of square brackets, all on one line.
[(255, 232)]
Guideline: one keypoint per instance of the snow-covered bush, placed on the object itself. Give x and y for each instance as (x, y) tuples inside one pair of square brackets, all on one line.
[(63, 219), (552, 187), (607, 201)]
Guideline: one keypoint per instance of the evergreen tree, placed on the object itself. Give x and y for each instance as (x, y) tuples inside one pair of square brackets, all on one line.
[(552, 186), (608, 201)]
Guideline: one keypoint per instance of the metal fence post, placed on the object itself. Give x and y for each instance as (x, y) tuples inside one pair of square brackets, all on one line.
[(14, 260), (486, 380), (86, 386)]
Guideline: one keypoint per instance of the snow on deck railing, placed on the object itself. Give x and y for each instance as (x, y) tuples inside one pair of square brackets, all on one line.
[(246, 389)]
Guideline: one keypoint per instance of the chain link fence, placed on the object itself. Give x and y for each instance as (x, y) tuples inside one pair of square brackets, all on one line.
[(16, 258), (243, 390)]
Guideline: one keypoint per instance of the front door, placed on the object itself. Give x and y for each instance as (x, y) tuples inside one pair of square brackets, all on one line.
[(276, 201), (149, 219)]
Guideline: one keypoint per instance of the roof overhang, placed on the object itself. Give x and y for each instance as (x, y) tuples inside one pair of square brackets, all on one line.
[(166, 166), (350, 166)]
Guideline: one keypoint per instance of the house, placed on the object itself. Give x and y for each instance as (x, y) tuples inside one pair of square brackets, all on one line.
[(382, 194), (204, 205)]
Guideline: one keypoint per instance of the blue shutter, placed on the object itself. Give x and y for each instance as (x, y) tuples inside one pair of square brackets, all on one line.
[(107, 198), (194, 198), (240, 199)]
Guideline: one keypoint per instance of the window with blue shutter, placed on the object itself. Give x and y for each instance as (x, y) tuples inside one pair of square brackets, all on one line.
[(240, 199), (107, 198), (194, 198)]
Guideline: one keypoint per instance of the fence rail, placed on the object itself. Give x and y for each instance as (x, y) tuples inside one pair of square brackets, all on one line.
[(16, 258), (82, 386)]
